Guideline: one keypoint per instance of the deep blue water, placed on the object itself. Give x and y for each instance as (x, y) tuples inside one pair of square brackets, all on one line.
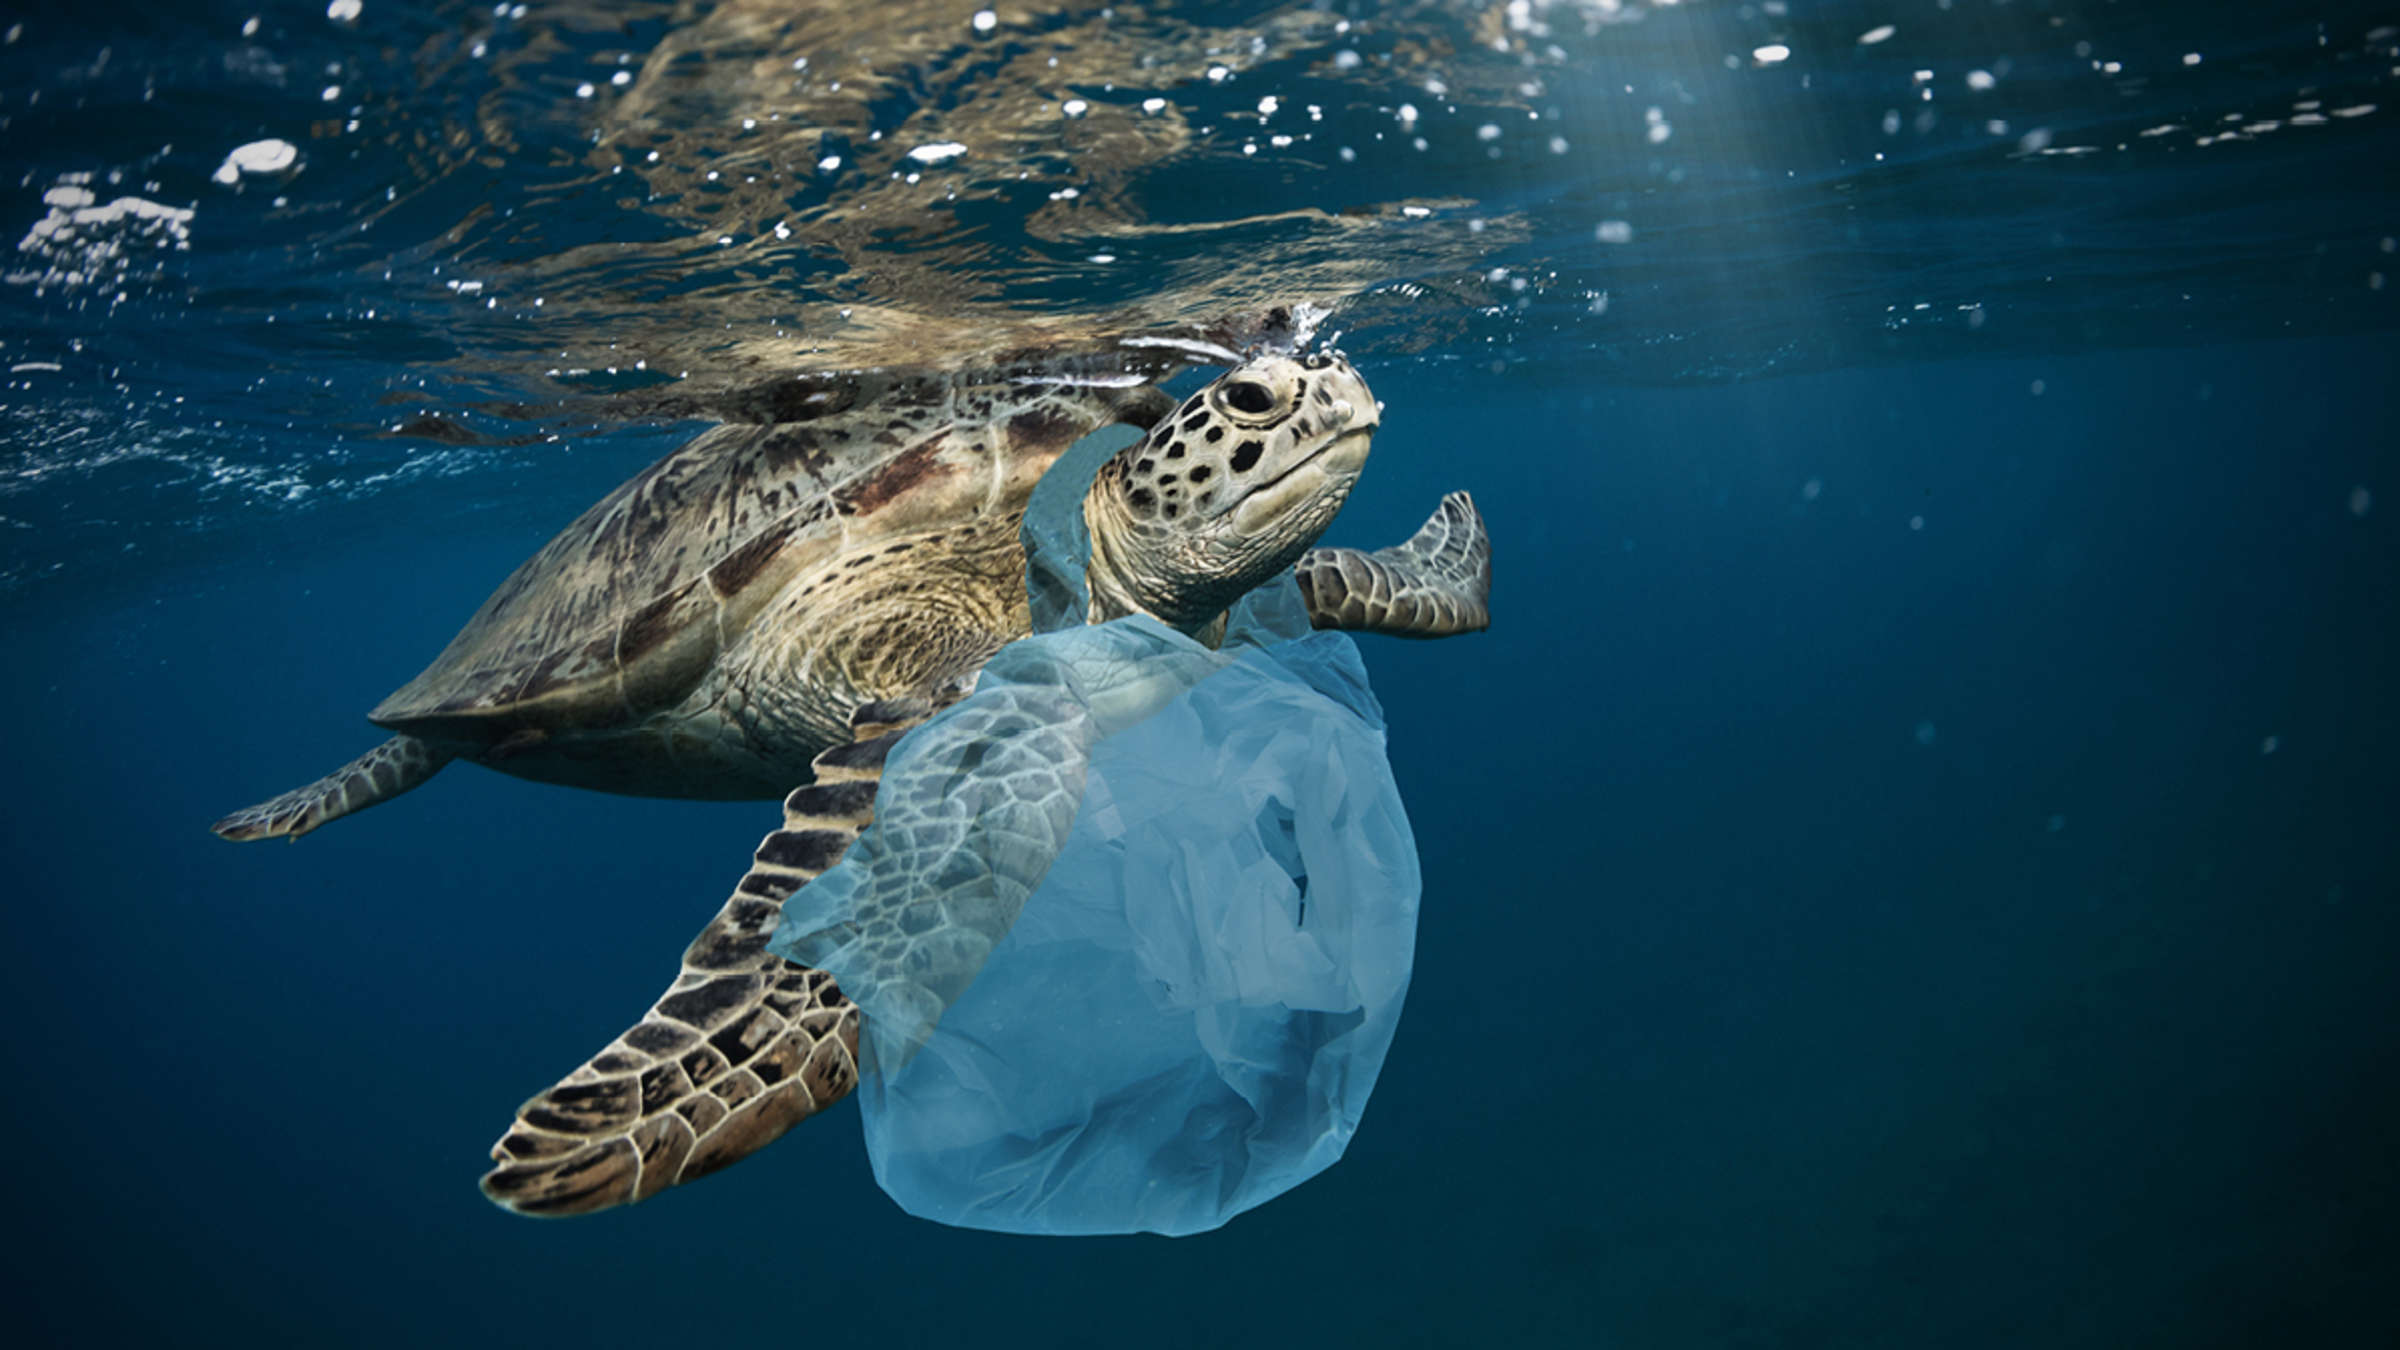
[(1912, 863)]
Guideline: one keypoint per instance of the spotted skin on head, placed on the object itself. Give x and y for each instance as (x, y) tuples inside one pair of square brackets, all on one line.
[(1228, 489), (1210, 447)]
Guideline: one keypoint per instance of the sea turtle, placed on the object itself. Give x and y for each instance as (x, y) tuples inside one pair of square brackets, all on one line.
[(774, 605)]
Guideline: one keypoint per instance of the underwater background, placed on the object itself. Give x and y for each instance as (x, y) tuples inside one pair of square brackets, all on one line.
[(1912, 862)]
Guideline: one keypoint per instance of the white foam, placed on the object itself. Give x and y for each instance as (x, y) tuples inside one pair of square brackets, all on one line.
[(256, 159), (80, 241), (1126, 381), (1192, 345)]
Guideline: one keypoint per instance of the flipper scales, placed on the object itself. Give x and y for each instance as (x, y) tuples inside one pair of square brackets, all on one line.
[(1438, 584), (401, 763), (743, 1046)]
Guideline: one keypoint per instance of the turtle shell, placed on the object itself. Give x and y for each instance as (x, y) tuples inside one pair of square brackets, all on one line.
[(624, 611)]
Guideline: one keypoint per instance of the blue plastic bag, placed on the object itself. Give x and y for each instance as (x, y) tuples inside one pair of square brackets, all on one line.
[(1132, 930)]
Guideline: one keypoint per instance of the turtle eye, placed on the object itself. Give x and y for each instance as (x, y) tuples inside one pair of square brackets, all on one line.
[(1249, 396)]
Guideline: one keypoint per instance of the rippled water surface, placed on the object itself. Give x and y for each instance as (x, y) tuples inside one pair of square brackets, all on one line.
[(1911, 864), (471, 226)]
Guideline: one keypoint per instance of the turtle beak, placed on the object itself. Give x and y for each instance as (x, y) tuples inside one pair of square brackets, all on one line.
[(1331, 469), (1348, 453)]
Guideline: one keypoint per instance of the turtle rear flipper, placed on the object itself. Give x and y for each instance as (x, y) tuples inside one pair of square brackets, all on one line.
[(741, 1048), (379, 775), (1438, 584)]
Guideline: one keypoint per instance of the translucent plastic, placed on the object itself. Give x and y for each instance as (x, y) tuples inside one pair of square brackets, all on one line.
[(1132, 930)]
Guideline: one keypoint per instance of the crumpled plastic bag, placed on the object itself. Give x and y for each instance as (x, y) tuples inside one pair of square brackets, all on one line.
[(1132, 929)]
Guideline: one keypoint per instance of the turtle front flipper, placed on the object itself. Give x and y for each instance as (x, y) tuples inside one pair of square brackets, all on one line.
[(741, 1048), (1438, 584), (379, 775)]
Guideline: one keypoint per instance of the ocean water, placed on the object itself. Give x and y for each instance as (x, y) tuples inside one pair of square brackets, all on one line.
[(1912, 862)]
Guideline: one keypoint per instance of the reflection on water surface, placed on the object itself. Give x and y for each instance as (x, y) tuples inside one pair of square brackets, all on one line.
[(430, 232)]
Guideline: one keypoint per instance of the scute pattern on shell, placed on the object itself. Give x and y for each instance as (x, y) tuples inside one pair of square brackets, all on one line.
[(623, 610)]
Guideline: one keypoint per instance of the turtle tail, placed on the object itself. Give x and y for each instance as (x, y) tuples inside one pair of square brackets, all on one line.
[(1438, 584), (743, 1046), (401, 763)]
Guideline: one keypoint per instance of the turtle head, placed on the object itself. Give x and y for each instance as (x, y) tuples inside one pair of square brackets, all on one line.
[(1227, 490)]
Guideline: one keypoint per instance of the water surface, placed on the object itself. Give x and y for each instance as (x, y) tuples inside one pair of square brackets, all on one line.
[(1910, 864)]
